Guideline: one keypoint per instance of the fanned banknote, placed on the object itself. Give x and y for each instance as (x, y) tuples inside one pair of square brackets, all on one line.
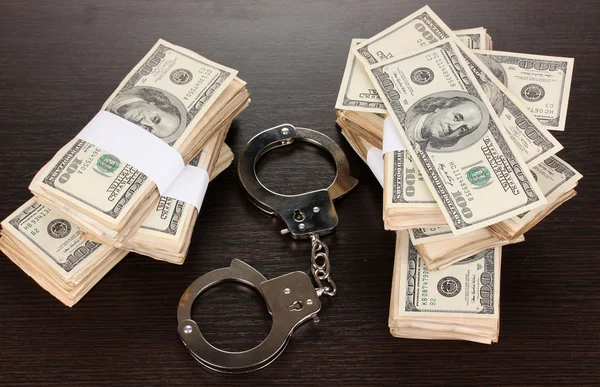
[(357, 91), (424, 28), (543, 83)]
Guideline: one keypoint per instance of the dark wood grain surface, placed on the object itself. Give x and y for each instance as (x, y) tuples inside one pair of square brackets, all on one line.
[(60, 61)]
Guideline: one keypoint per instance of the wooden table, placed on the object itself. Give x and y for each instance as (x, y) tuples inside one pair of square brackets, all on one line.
[(61, 60)]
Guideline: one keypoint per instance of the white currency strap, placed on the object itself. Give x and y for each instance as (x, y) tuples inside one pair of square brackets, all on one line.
[(391, 142), (391, 138), (136, 146), (375, 162), (190, 186)]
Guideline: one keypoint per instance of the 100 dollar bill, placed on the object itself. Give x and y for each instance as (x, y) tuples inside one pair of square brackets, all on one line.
[(455, 137), (543, 83), (469, 287), (357, 91), (406, 182), (473, 38), (555, 177), (422, 235)]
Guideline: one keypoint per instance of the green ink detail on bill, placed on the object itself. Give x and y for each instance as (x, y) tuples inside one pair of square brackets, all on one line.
[(108, 163), (479, 176)]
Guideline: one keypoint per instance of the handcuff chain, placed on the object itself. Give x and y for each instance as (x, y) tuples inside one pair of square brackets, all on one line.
[(320, 267)]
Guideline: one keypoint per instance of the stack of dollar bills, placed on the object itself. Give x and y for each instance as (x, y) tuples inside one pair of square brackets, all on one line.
[(90, 208), (473, 165), (458, 303)]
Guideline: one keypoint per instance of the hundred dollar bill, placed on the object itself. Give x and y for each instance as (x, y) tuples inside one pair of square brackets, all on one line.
[(419, 29), (406, 182), (166, 93), (534, 141), (429, 234), (554, 176), (473, 38), (357, 91), (557, 180), (424, 28), (542, 82), (474, 172), (469, 288)]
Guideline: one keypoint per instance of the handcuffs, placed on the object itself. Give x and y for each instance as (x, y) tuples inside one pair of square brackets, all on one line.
[(291, 298)]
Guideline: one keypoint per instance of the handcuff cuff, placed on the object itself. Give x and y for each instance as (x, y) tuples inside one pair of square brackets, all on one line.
[(291, 299)]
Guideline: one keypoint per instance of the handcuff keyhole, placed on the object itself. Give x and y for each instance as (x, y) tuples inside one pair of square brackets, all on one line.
[(296, 305), (299, 215)]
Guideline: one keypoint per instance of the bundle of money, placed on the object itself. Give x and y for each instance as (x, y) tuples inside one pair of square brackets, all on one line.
[(48, 246), (174, 93), (475, 166), (460, 302)]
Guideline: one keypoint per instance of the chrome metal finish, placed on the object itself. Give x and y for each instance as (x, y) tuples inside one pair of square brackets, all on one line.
[(289, 207), (291, 300)]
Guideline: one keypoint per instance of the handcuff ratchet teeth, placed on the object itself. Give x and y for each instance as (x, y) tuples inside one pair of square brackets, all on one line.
[(291, 298)]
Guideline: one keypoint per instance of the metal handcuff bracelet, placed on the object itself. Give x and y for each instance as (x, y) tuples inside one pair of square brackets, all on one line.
[(291, 298)]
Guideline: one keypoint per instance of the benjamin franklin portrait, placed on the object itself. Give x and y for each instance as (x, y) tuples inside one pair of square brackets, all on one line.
[(157, 111), (441, 120)]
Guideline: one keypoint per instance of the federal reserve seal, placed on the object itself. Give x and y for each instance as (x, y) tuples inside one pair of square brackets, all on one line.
[(59, 228), (181, 76), (479, 176), (108, 163), (533, 92), (421, 76), (449, 286)]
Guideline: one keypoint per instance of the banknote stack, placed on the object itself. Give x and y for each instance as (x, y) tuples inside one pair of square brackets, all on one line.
[(469, 164), (47, 245), (461, 302), (90, 209), (174, 93)]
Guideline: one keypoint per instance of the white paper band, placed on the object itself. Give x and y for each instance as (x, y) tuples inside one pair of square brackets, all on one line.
[(375, 162), (391, 138), (190, 186), (136, 146)]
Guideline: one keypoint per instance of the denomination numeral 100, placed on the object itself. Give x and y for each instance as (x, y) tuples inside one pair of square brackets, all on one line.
[(71, 169), (410, 182), (462, 203), (425, 32)]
